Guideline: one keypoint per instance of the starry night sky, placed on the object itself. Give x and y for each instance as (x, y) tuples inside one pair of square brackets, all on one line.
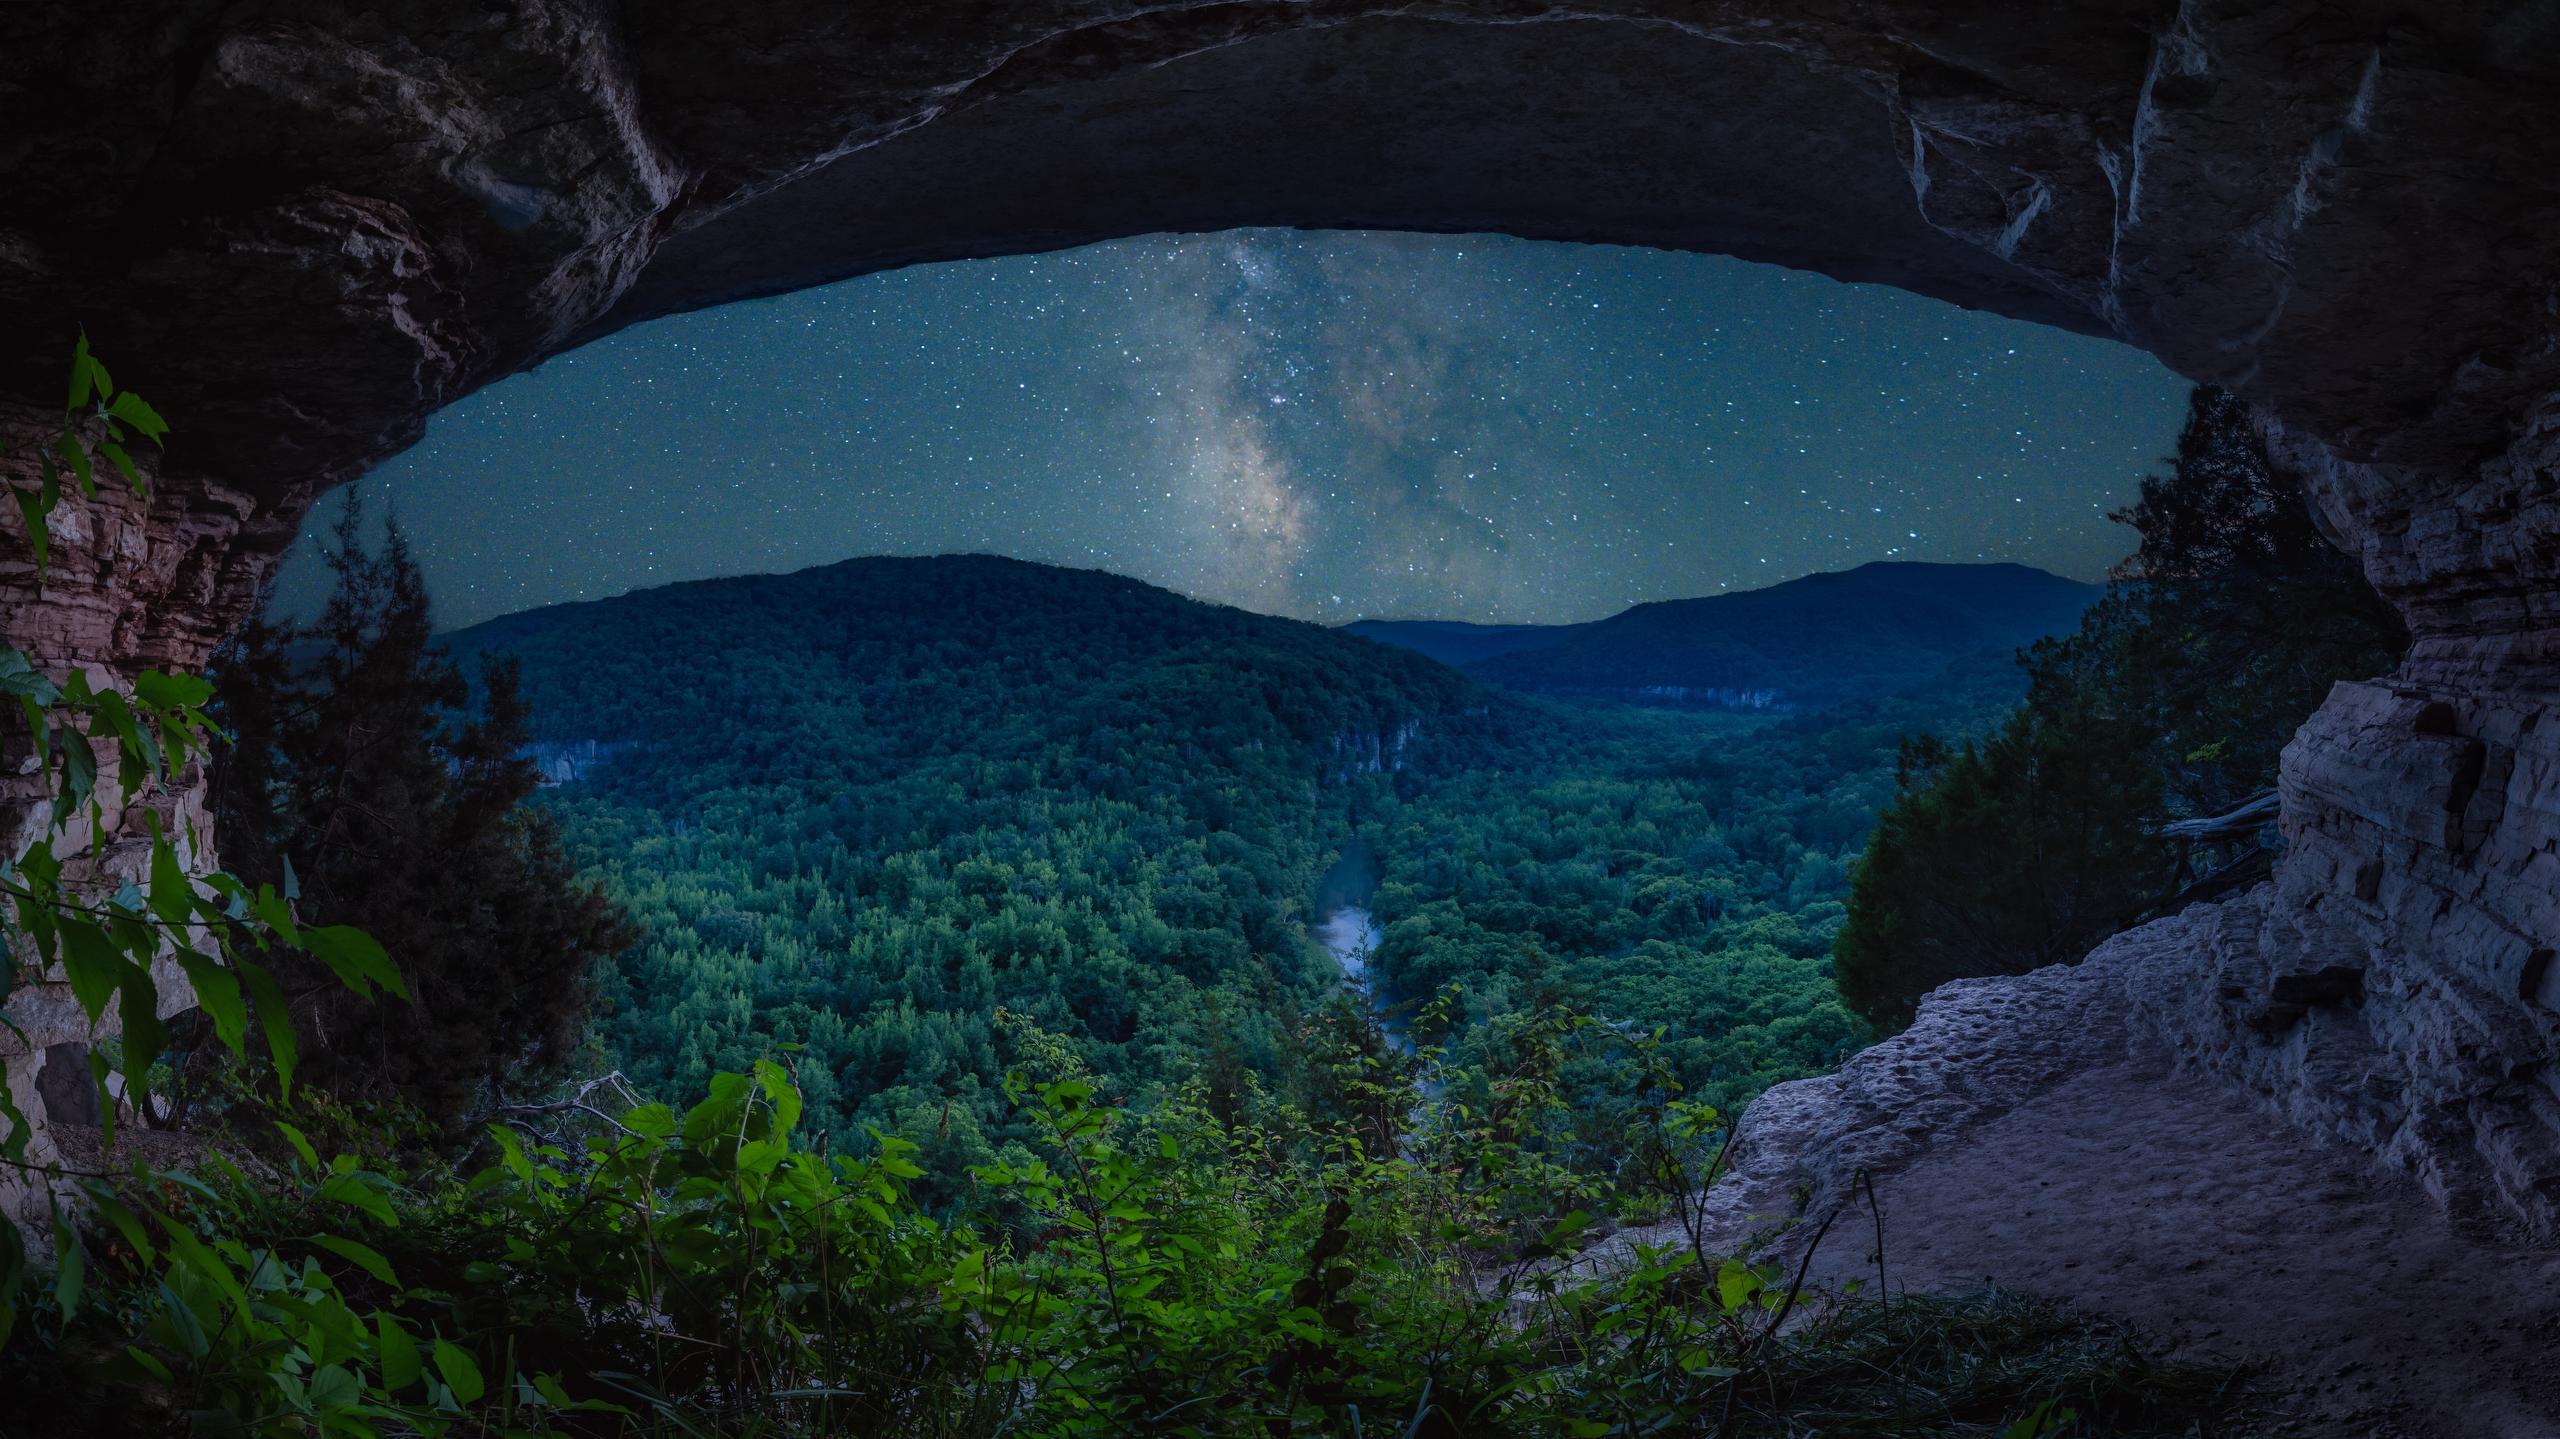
[(1325, 425)]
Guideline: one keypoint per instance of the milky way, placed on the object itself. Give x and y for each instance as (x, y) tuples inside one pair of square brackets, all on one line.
[(1322, 425)]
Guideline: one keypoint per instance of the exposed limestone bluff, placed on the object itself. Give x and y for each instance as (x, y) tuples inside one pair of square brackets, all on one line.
[(300, 228)]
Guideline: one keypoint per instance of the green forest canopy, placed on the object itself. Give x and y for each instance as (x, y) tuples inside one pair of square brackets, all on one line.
[(943, 788)]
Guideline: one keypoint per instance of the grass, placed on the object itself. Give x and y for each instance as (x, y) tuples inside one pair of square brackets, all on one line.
[(1972, 1365)]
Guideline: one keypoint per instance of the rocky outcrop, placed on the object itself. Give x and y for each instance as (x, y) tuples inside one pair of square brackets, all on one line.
[(301, 226), (2061, 1134)]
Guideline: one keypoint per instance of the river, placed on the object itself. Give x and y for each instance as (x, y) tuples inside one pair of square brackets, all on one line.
[(1350, 933)]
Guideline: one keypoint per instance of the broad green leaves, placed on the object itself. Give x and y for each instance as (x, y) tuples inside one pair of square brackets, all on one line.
[(354, 957), (96, 416), (1174, 1273), (108, 947), (130, 409), (362, 1256), (360, 1191), (168, 693), (88, 376), (95, 964), (460, 1372)]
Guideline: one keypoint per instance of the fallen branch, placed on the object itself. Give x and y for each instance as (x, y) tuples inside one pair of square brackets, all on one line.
[(522, 1116), (2238, 824)]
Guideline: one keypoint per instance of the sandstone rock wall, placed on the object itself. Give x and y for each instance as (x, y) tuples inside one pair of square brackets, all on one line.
[(301, 226)]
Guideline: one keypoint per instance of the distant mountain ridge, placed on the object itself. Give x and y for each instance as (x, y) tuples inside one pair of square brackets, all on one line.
[(1811, 642), (883, 664), (1458, 642)]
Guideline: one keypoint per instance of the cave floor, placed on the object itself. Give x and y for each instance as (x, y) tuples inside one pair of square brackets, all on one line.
[(2163, 1200)]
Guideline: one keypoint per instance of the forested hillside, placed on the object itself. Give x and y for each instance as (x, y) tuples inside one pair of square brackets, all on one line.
[(1456, 642), (1874, 630), (868, 807), (892, 810)]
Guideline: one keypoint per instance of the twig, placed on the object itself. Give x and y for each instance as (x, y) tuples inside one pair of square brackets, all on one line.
[(1884, 1295), (1733, 1385), (521, 1115)]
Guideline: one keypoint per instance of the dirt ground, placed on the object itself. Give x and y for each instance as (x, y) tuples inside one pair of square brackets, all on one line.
[(2230, 1236), (2027, 1134)]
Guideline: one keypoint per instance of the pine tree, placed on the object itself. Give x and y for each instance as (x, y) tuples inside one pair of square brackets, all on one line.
[(2174, 698), (364, 771)]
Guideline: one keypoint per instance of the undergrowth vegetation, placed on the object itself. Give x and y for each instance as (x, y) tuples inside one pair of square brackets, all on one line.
[(1402, 1269)]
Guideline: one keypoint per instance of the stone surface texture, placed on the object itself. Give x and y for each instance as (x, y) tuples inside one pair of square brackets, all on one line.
[(301, 226), (2077, 1134)]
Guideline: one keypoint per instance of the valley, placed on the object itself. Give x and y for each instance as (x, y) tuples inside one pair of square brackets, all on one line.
[(948, 802)]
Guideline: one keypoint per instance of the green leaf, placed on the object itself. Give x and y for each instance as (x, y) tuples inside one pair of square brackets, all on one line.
[(33, 509), (511, 1152), (190, 1253), (718, 1112), (355, 958), (274, 1020), (123, 462), (1736, 1283), (79, 773), (145, 1036), (400, 1366), (218, 993), (120, 1216), (186, 1331), (334, 1387), (163, 691), (80, 378), (656, 1121), (147, 1363), (367, 1259), (34, 714), (111, 718), (551, 1392), (172, 898), (19, 676), (130, 408), (275, 913), (460, 1372), (1567, 1229), (351, 1189), (78, 459), (93, 964), (2030, 1426), (70, 1266), (15, 1130), (301, 1145), (781, 1093)]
